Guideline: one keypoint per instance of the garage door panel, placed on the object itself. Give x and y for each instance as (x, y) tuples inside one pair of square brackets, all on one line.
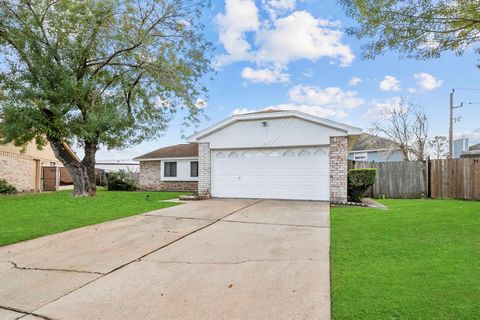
[(294, 173)]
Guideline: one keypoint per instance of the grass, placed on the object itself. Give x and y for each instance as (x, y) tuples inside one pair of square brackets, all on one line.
[(24, 217), (418, 260)]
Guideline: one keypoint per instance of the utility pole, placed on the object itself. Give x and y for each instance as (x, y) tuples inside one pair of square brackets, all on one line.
[(450, 129)]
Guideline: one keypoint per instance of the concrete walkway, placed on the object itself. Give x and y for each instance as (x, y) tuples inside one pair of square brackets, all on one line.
[(213, 259)]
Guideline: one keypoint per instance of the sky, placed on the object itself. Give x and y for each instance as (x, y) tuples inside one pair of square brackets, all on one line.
[(295, 55)]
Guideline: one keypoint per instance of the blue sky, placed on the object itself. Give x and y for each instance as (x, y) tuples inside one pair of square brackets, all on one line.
[(291, 54)]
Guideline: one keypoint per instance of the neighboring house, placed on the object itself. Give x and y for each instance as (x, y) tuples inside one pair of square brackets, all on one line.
[(368, 147), (173, 168), (29, 169), (270, 154), (473, 152), (117, 165), (459, 146)]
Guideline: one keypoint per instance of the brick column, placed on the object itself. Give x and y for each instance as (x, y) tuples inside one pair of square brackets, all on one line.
[(338, 169), (204, 169)]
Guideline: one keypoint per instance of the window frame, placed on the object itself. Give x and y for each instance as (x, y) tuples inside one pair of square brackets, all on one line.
[(362, 156), (168, 173), (191, 169)]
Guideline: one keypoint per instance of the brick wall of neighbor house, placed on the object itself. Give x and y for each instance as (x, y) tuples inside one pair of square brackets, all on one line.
[(149, 179), (204, 169), (17, 169), (338, 169)]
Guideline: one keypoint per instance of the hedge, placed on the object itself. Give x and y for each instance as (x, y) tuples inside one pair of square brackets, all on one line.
[(359, 180)]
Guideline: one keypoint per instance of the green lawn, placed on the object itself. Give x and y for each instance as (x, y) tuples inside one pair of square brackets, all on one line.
[(418, 260), (24, 217)]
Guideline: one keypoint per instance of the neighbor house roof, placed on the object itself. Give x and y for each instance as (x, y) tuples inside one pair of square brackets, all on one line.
[(370, 142), (176, 151), (272, 114), (475, 147)]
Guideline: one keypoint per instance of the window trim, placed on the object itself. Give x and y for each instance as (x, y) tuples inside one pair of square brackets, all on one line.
[(362, 156), (169, 164), (191, 169)]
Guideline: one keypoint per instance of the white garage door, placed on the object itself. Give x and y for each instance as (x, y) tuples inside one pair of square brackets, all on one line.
[(293, 173)]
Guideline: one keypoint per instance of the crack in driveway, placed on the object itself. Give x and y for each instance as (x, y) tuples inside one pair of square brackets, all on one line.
[(144, 255), (16, 266)]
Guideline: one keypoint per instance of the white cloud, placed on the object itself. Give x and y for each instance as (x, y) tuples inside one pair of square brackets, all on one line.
[(302, 36), (241, 16), (318, 111), (412, 90), (377, 111), (265, 75), (473, 136), (389, 83), (278, 41), (278, 7), (331, 96), (242, 111), (427, 82), (330, 102), (354, 81)]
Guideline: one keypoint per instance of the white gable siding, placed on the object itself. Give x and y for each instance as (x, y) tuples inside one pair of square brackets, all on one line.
[(278, 132)]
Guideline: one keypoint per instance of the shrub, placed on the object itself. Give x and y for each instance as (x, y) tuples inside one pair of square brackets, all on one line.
[(119, 181), (6, 188), (359, 180)]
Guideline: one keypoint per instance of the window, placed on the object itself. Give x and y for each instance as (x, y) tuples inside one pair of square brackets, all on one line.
[(194, 169), (360, 156), (170, 169)]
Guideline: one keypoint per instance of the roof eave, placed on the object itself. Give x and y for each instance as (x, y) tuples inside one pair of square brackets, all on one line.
[(349, 130)]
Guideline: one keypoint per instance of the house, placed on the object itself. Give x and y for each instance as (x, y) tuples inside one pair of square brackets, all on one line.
[(473, 152), (368, 147), (29, 169), (271, 154), (173, 168)]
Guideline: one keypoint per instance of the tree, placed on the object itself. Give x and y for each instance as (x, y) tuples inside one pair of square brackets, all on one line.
[(97, 73), (438, 147), (420, 29), (405, 126)]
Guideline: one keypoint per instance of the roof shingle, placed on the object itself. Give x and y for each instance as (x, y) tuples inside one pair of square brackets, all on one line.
[(176, 151)]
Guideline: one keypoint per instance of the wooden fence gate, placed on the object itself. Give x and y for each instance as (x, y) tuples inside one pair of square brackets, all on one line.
[(49, 176), (455, 178)]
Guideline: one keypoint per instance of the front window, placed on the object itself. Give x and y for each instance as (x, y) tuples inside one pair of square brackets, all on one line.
[(170, 169), (194, 169), (360, 156)]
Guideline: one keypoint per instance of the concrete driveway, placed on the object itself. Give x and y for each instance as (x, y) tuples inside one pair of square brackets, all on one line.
[(213, 259)]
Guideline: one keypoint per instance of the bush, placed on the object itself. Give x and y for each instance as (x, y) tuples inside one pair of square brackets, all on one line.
[(6, 188), (359, 180), (119, 181)]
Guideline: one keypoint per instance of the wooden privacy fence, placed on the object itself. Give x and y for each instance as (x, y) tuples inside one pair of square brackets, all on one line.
[(458, 178), (445, 178), (402, 179)]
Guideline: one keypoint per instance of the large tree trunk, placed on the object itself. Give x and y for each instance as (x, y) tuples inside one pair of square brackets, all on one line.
[(82, 172)]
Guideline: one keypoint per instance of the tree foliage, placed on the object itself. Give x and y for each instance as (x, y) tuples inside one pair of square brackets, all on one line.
[(420, 29), (97, 73)]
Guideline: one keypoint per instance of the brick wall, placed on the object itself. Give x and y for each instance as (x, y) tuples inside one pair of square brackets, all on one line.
[(204, 169), (18, 170), (338, 169), (149, 179)]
